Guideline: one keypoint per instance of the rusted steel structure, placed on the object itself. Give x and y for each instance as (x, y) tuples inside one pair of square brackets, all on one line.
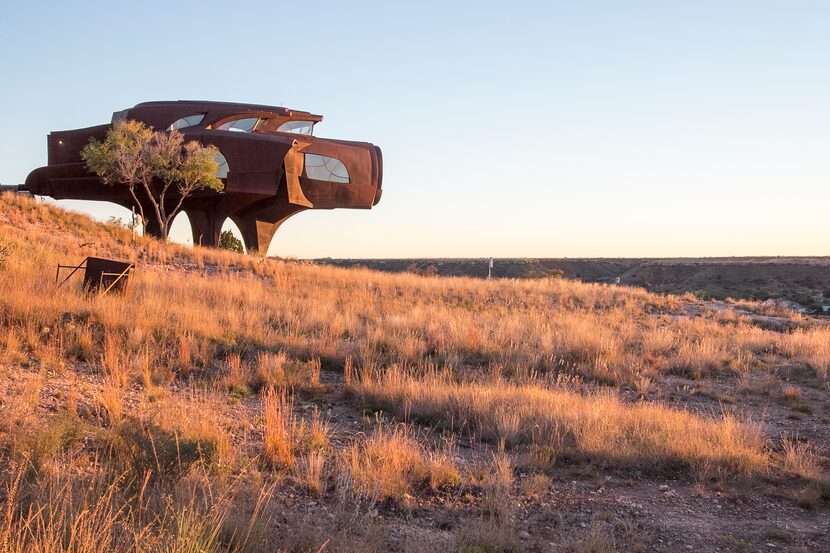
[(100, 275), (271, 163)]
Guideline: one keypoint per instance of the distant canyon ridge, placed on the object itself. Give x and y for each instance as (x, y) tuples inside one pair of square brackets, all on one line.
[(804, 280)]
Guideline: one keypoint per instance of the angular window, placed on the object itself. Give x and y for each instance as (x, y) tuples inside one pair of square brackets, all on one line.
[(248, 124), (222, 163), (325, 168), (297, 127), (184, 122)]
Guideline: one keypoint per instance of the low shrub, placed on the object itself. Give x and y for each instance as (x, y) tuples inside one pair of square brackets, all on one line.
[(56, 434), (146, 452)]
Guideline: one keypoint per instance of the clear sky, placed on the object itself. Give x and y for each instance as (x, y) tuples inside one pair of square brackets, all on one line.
[(544, 129)]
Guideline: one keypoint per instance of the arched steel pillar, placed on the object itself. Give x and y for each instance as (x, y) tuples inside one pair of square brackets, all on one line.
[(206, 226), (259, 227)]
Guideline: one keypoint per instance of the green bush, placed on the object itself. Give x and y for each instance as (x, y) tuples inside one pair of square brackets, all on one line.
[(227, 241)]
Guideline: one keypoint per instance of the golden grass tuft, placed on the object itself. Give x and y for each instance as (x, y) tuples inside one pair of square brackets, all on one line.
[(791, 393), (312, 471), (270, 370), (497, 488), (291, 442), (112, 400), (800, 459), (279, 431), (390, 463)]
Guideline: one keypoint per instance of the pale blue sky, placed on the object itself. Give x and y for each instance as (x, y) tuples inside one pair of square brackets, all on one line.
[(541, 129)]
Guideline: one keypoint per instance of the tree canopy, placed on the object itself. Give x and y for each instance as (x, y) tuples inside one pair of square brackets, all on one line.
[(160, 166)]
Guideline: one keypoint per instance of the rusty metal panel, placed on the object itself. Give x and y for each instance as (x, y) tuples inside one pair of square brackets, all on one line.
[(106, 275)]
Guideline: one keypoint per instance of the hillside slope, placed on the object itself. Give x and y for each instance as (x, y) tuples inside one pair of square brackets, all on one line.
[(227, 403)]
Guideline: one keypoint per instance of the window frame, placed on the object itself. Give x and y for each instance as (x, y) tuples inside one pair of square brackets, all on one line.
[(201, 117), (331, 173), (290, 121), (219, 165), (230, 122)]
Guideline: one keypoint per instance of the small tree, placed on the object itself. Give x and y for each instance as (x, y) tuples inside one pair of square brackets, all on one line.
[(122, 158), (227, 241), (156, 163)]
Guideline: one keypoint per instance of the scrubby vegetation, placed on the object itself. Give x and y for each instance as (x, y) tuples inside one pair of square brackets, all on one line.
[(597, 426), (229, 403)]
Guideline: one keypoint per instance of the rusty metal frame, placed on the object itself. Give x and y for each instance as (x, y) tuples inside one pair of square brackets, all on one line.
[(100, 288), (74, 268), (118, 276)]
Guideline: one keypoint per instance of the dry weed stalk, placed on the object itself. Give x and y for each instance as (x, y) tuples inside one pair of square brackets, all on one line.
[(279, 432)]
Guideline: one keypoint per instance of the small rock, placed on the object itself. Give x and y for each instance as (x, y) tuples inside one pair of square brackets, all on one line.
[(84, 411), (524, 535), (663, 488)]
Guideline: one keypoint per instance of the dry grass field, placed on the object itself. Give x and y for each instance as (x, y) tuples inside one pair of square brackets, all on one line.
[(230, 404)]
